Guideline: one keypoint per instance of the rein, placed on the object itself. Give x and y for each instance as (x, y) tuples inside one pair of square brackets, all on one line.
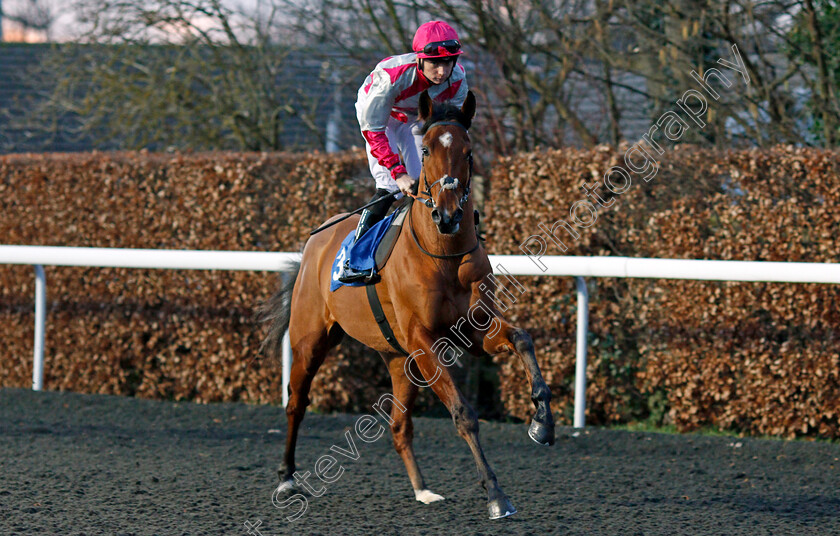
[(430, 254), (430, 203)]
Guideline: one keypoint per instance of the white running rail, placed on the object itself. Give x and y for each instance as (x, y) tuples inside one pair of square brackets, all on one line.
[(516, 265)]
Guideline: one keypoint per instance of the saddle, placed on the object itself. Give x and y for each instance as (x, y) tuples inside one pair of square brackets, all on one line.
[(372, 250), (384, 249)]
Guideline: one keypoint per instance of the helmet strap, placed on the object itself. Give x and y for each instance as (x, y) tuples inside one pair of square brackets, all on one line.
[(454, 63)]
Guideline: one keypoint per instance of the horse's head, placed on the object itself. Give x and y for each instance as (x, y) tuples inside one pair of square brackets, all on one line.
[(447, 159)]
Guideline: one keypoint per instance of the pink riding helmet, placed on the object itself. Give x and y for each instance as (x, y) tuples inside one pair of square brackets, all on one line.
[(436, 39)]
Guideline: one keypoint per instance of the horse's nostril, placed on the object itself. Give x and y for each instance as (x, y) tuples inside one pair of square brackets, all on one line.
[(436, 216), (458, 215)]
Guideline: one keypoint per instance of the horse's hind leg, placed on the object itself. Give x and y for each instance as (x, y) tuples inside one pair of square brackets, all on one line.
[(402, 428), (308, 350)]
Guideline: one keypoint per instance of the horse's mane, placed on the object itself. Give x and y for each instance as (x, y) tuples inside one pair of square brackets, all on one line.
[(444, 111)]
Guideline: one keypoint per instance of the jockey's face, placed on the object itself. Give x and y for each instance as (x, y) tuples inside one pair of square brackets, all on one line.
[(437, 70)]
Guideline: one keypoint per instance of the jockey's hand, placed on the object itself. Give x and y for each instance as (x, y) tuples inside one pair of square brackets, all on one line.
[(405, 182)]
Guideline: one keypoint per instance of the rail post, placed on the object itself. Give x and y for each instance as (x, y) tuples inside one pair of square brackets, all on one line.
[(580, 352), (40, 322), (287, 366)]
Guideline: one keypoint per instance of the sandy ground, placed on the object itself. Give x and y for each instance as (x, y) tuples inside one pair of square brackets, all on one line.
[(90, 464)]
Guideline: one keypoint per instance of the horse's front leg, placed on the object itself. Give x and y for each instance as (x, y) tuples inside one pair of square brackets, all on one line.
[(436, 375), (542, 424), (501, 336)]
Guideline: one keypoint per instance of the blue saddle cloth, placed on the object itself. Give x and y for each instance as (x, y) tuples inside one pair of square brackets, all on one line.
[(360, 253)]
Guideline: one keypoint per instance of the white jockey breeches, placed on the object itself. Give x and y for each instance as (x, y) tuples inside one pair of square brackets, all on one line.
[(405, 140)]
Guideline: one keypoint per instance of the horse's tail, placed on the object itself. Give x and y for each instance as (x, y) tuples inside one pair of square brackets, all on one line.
[(277, 310)]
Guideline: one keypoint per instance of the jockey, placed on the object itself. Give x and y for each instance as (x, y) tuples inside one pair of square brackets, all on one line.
[(386, 107)]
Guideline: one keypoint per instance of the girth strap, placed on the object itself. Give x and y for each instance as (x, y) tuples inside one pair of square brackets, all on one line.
[(381, 320)]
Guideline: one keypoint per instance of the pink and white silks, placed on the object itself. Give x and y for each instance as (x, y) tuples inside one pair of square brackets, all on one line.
[(386, 107)]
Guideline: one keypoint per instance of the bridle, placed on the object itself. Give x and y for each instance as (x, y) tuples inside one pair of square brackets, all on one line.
[(449, 183), (446, 183)]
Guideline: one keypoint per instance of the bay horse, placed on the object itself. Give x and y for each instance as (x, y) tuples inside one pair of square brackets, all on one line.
[(436, 273)]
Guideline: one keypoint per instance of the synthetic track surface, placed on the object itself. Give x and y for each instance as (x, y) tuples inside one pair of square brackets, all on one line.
[(91, 464)]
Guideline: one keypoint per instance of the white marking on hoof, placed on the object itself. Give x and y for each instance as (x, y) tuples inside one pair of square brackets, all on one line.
[(288, 485), (506, 514), (446, 139), (426, 497)]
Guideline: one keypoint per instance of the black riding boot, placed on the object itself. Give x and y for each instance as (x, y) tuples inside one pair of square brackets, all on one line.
[(370, 217)]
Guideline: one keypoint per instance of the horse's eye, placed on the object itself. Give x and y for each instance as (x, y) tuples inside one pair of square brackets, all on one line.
[(425, 150)]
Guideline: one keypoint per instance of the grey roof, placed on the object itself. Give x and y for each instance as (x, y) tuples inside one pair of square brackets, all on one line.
[(16, 91), (19, 91), (333, 98)]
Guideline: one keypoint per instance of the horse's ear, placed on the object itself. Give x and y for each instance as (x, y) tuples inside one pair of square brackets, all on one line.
[(468, 109), (424, 110)]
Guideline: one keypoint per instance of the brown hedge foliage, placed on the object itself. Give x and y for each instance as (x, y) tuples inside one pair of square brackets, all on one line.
[(164, 333), (752, 357), (757, 358)]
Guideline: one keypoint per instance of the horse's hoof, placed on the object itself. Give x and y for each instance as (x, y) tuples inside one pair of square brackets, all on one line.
[(542, 434), (427, 497), (286, 486), (499, 508)]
